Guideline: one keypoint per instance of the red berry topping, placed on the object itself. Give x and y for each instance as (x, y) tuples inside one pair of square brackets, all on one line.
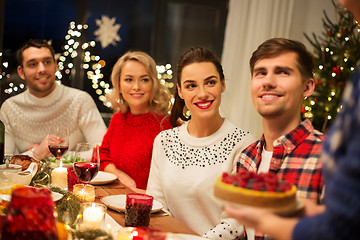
[(259, 182)]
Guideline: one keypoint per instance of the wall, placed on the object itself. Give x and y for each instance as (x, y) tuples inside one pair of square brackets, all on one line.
[(307, 18)]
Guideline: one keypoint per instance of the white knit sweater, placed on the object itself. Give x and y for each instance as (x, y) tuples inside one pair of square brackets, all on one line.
[(184, 169), (28, 118)]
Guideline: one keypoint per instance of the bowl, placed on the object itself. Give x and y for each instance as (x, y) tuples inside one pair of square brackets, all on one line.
[(11, 168)]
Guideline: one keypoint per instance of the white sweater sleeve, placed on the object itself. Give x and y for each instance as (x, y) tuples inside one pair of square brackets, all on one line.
[(154, 187)]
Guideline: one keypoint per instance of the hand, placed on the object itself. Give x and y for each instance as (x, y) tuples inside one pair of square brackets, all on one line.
[(41, 150), (312, 209), (123, 177), (52, 139), (263, 221), (127, 180)]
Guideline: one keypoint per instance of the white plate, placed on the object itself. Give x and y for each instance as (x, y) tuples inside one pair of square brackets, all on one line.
[(54, 195), (103, 178), (118, 203), (185, 237), (5, 197)]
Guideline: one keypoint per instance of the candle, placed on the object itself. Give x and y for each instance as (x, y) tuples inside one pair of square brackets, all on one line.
[(59, 177), (94, 215), (84, 192)]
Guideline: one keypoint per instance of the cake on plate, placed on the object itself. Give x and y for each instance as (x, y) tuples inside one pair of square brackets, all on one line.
[(256, 190)]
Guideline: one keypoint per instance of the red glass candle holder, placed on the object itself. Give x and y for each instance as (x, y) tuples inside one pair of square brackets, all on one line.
[(30, 215), (138, 209), (72, 178)]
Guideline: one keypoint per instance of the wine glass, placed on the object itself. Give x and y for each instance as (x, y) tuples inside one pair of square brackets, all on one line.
[(87, 166), (58, 142)]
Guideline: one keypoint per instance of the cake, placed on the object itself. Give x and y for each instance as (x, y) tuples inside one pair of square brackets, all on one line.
[(262, 190)]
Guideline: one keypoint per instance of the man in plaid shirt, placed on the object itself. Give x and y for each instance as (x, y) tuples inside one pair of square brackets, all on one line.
[(282, 77)]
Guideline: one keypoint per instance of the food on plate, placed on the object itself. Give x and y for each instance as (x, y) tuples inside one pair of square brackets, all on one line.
[(3, 206), (257, 190), (9, 190), (67, 159), (24, 161)]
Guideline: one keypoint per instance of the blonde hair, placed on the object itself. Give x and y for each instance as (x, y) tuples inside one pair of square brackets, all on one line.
[(160, 98)]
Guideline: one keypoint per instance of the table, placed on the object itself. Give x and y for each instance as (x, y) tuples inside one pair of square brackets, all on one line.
[(164, 223)]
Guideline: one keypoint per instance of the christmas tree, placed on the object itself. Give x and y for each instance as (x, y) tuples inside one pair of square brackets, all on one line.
[(336, 54), (79, 51)]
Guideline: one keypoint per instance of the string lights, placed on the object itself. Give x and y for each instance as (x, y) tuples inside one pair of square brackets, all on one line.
[(90, 63), (336, 54)]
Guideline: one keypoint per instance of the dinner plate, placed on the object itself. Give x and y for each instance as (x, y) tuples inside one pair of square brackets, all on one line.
[(103, 178), (54, 195), (118, 203)]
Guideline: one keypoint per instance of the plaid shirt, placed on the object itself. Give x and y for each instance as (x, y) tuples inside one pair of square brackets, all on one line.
[(295, 159)]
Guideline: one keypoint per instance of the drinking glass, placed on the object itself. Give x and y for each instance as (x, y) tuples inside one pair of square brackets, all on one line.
[(89, 163), (30, 215), (138, 209), (58, 142)]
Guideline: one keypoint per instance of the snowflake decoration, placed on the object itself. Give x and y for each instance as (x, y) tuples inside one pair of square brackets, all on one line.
[(107, 33)]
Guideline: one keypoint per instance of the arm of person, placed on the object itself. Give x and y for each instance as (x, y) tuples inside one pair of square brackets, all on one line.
[(154, 186), (123, 177), (229, 228), (263, 221), (269, 223), (10, 146)]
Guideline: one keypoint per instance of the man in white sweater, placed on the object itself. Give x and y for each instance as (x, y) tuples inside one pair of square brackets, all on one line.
[(29, 116)]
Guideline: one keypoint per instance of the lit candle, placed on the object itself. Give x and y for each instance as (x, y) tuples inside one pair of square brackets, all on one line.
[(93, 216), (84, 192), (59, 177)]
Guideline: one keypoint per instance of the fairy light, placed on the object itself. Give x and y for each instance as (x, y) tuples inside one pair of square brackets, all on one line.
[(92, 64), (165, 75)]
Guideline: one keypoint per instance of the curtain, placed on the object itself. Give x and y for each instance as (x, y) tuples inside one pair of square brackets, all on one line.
[(249, 23)]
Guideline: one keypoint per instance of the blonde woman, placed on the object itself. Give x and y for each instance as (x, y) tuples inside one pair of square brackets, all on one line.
[(142, 104)]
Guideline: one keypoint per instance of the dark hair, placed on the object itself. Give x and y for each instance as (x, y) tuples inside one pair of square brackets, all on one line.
[(193, 55), (275, 46), (38, 43)]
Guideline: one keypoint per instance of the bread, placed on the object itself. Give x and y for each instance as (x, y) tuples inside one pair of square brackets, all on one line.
[(24, 161)]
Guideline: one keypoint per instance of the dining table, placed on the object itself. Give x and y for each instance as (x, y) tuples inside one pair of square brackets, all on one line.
[(164, 222)]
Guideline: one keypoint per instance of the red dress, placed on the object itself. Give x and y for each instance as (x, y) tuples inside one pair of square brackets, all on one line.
[(128, 144)]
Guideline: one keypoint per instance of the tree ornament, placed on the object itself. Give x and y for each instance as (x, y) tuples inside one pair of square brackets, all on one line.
[(335, 59)]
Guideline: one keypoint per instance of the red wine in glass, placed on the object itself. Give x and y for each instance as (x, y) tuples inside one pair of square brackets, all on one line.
[(86, 171), (58, 151), (58, 142)]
